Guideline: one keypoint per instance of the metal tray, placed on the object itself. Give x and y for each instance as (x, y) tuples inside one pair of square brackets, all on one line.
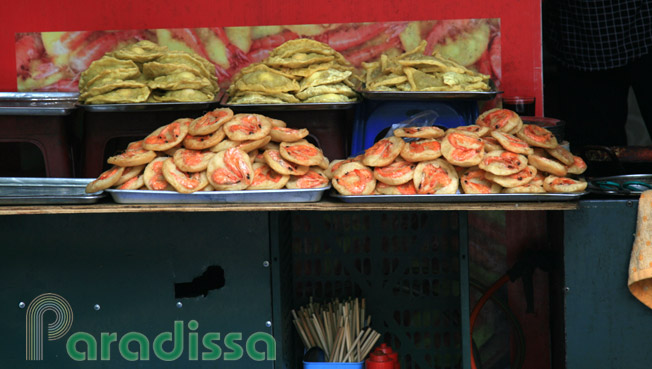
[(208, 197), (428, 95), (46, 191), (39, 96), (158, 106), (291, 106), (453, 198), (37, 103)]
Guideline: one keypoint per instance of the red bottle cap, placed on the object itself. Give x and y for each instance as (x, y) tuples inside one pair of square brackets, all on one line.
[(378, 360)]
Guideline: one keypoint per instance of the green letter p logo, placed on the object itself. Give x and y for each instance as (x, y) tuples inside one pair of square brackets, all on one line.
[(34, 322)]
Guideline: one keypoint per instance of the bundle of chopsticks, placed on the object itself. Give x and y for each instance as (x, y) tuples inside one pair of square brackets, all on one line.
[(339, 328)]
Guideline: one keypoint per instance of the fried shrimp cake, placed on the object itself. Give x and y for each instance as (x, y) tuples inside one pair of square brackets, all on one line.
[(274, 159), (230, 170), (512, 143), (183, 182), (419, 132), (134, 155), (105, 180), (153, 175), (503, 120), (354, 178), (167, 136), (284, 134), (314, 178), (560, 153), (503, 163), (435, 177), (578, 166), (474, 180), (203, 142), (383, 152), (396, 173), (537, 136), (421, 150), (481, 131), (188, 160), (544, 164), (210, 122), (265, 178), (129, 173), (134, 183), (301, 153), (247, 127), (513, 180), (563, 185), (526, 188), (463, 149), (406, 188)]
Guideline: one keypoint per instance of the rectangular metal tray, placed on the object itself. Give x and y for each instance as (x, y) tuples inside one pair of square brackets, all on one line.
[(208, 197), (290, 106), (39, 96), (158, 106), (37, 103), (459, 198), (46, 191)]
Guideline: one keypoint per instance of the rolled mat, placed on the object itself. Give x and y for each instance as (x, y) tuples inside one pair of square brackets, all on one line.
[(640, 263)]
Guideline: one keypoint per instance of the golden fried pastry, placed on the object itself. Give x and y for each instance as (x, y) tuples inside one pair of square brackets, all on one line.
[(129, 173), (167, 136), (328, 98), (335, 88), (314, 178), (188, 160), (301, 153), (419, 132), (134, 155), (153, 175), (537, 136), (435, 177), (325, 163), (277, 122), (512, 143), (513, 180), (324, 77), (383, 152), (526, 188), (203, 142), (474, 128), (578, 166), (107, 67), (474, 180), (503, 163), (171, 151), (560, 153), (261, 78), (302, 45), (183, 182), (230, 170), (121, 96), (179, 81), (182, 95), (538, 179), (247, 127), (354, 178), (133, 183), (141, 52), (104, 86), (210, 122), (544, 164), (402, 189), (464, 149), (421, 150), (105, 180), (265, 178), (284, 134), (563, 185), (396, 173), (274, 159), (503, 120)]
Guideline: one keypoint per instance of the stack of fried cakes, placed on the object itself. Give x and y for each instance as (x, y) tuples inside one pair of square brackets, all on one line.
[(148, 72)]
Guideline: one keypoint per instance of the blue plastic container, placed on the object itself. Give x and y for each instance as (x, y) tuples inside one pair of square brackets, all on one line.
[(327, 365)]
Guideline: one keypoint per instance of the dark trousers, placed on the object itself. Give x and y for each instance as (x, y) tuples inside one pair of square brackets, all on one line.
[(594, 104)]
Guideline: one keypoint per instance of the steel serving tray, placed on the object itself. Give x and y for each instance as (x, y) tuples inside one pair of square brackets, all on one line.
[(428, 95), (157, 106), (459, 198), (37, 103), (207, 197), (39, 96), (46, 191)]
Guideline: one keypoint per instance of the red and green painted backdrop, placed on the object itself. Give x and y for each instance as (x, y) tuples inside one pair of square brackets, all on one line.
[(231, 33)]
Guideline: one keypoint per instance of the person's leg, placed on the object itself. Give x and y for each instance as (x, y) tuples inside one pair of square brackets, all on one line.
[(594, 106), (642, 85)]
